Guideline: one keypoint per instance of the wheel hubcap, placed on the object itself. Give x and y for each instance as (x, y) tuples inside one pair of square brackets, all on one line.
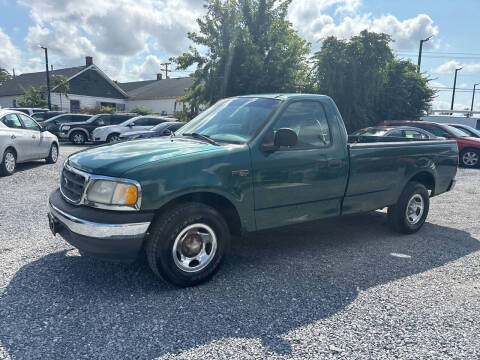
[(194, 247), (114, 138), (415, 209), (470, 158), (54, 153), (10, 162), (78, 138)]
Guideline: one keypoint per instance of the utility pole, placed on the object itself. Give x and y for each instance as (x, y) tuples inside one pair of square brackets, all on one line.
[(420, 51), (166, 69), (48, 76), (455, 85), (473, 95)]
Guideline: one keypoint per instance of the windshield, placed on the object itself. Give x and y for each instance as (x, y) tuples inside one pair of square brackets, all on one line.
[(233, 120), (52, 119), (370, 132), (456, 132), (126, 122)]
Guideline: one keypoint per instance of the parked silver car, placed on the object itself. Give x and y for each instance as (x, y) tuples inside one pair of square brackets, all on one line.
[(23, 139), (112, 133)]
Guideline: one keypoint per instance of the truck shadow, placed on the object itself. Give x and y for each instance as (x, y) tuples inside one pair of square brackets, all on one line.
[(272, 283)]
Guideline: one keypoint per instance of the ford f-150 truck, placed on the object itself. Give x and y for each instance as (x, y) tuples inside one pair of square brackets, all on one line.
[(245, 164)]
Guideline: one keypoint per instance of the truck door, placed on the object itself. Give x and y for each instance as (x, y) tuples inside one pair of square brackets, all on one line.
[(304, 182)]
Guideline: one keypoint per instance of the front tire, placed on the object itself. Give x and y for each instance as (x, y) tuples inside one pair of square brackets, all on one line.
[(9, 163), (53, 155), (410, 212), (78, 138), (187, 244), (113, 138), (470, 158)]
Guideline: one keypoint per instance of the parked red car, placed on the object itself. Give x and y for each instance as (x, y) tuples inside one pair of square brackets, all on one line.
[(468, 147)]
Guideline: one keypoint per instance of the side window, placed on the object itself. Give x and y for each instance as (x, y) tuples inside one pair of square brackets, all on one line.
[(146, 122), (309, 121), (118, 119), (435, 130), (29, 123), (78, 118), (155, 121), (415, 134), (396, 133), (11, 121), (65, 119)]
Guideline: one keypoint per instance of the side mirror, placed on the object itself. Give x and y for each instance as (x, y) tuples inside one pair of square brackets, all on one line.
[(131, 124), (167, 132), (285, 137)]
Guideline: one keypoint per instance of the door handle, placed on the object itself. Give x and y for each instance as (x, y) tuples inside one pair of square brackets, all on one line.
[(12, 136), (34, 137), (335, 163)]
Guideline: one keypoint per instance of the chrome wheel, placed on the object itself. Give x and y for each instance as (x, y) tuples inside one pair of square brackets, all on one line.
[(54, 153), (114, 138), (415, 209), (78, 138), (9, 162), (194, 247), (470, 158)]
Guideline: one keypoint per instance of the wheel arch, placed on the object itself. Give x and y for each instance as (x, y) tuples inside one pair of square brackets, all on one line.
[(9, 147), (71, 131), (220, 203), (425, 178)]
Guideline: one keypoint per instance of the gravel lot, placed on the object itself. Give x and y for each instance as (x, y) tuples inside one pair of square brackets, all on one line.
[(347, 288)]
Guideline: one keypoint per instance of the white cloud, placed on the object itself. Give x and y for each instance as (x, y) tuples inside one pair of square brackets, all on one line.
[(445, 105), (309, 18), (9, 54), (148, 70), (450, 66)]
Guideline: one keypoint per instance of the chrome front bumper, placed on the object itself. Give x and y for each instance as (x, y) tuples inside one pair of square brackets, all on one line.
[(98, 230)]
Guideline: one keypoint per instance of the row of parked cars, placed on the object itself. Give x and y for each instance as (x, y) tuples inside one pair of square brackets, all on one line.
[(28, 134), (467, 137)]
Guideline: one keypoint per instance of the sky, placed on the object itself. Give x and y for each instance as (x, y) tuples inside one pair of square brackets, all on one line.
[(129, 39)]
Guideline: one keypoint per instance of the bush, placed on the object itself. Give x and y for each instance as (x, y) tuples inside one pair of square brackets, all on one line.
[(97, 110), (140, 110)]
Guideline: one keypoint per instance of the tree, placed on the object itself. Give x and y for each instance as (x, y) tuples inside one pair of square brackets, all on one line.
[(61, 86), (367, 82), (4, 75), (405, 94), (251, 48), (33, 97)]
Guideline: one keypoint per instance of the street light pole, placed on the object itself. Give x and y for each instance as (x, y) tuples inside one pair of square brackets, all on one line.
[(48, 77), (473, 95), (420, 51), (455, 85)]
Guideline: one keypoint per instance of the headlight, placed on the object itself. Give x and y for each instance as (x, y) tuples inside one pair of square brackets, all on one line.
[(65, 128), (113, 193)]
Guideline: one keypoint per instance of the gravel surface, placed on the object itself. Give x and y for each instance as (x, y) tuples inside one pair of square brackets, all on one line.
[(345, 289)]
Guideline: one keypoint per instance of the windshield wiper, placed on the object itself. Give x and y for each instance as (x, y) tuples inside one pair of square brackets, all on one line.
[(203, 137)]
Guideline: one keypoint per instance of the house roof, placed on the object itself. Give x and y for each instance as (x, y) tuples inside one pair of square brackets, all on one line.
[(160, 89), (16, 85), (129, 86)]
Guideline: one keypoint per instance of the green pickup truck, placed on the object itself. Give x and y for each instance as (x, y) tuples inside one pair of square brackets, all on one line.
[(245, 164)]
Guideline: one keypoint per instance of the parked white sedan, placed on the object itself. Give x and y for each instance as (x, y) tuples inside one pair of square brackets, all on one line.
[(112, 133), (22, 139)]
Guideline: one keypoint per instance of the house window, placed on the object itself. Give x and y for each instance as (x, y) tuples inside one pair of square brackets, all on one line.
[(74, 106), (120, 107), (108, 104), (14, 103)]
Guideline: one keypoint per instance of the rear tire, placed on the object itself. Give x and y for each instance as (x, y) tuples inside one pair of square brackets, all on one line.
[(410, 212), (470, 158), (78, 138), (53, 155), (187, 244), (9, 163)]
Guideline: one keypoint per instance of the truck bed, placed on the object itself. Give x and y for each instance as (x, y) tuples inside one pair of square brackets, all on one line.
[(379, 171)]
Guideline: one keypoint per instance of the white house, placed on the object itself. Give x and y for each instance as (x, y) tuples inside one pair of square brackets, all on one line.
[(91, 87)]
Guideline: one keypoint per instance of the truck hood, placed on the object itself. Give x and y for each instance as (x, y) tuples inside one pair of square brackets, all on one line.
[(114, 160)]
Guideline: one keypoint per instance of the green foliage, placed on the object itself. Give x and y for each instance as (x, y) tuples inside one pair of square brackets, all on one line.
[(33, 97), (4, 75), (61, 86), (251, 48), (140, 110), (366, 81), (97, 110)]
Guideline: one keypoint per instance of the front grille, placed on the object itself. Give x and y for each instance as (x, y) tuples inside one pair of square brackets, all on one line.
[(72, 185)]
